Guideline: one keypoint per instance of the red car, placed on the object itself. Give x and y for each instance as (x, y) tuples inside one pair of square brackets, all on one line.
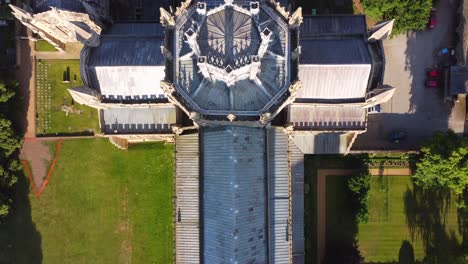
[(432, 84), (433, 73), (432, 19)]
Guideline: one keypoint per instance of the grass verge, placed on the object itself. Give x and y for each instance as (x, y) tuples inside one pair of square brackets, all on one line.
[(43, 45)]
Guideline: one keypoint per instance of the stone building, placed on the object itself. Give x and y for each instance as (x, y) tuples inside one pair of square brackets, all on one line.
[(245, 89), (64, 21)]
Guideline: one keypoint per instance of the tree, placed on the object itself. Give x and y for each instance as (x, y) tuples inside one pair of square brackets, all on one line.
[(5, 92), (408, 15), (359, 186), (443, 164), (10, 142)]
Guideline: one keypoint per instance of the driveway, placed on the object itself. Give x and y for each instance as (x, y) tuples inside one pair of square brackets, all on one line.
[(415, 109)]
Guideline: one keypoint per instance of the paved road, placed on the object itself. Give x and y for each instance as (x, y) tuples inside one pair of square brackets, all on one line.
[(414, 108), (27, 83)]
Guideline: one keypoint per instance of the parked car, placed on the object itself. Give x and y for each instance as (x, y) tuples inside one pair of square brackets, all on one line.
[(434, 73), (397, 136), (432, 19), (374, 109), (432, 83)]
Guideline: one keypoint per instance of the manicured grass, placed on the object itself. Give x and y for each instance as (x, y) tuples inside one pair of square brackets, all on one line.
[(52, 97), (310, 208), (43, 45), (339, 229), (382, 237), (312, 163), (403, 220), (102, 205)]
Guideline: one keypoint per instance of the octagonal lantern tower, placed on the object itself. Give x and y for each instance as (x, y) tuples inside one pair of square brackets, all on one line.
[(231, 62)]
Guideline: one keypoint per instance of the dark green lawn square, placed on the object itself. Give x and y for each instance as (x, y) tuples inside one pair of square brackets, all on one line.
[(340, 228), (310, 208)]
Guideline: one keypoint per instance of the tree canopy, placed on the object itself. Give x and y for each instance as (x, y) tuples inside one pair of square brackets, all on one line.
[(10, 142), (444, 163), (408, 15), (5, 92), (358, 187)]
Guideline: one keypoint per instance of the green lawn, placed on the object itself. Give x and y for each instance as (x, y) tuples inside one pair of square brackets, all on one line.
[(43, 45), (102, 205), (312, 163), (52, 98), (404, 220), (310, 208), (340, 231), (382, 237)]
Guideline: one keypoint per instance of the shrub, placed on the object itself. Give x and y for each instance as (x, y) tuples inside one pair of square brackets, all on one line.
[(359, 186), (408, 15)]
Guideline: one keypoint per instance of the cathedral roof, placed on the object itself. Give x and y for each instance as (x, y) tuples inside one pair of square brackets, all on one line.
[(335, 63), (231, 58), (40, 6), (128, 64)]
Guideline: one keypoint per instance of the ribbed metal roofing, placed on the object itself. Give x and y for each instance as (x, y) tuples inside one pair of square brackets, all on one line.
[(334, 51), (312, 117), (69, 5), (333, 24), (458, 80), (127, 82), (297, 203), (134, 29), (333, 81), (278, 196), (187, 225), (335, 62), (128, 51), (322, 143), (138, 120), (128, 67), (234, 195)]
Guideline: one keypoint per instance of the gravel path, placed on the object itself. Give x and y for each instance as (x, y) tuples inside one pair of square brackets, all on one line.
[(27, 83), (38, 156), (390, 172)]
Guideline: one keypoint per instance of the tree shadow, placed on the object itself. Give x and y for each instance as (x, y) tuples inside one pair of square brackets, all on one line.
[(24, 72), (324, 7), (20, 241), (406, 253), (421, 50), (342, 214), (463, 223), (426, 215)]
